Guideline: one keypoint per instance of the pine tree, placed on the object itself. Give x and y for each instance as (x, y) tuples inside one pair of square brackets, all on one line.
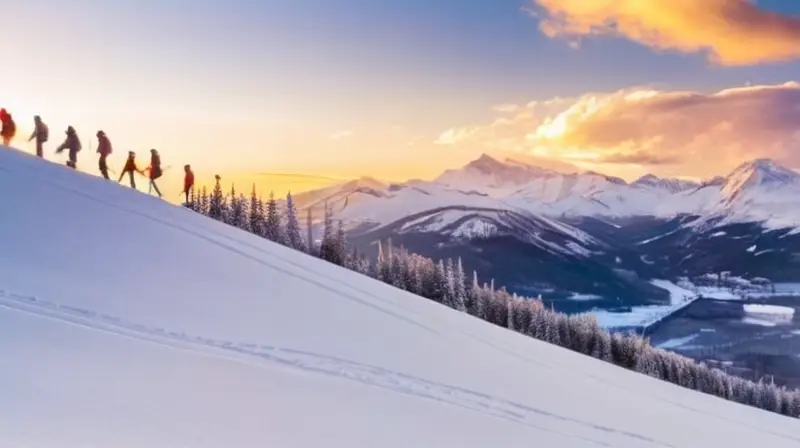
[(327, 247), (396, 267), (338, 246), (216, 208), (273, 229), (204, 206), (310, 229), (384, 263), (460, 288), (449, 298), (294, 240), (238, 216), (256, 213)]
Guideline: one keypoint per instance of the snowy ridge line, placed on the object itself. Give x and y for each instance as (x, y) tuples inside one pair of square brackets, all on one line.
[(182, 227), (331, 366)]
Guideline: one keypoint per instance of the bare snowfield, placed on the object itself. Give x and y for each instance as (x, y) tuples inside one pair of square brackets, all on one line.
[(129, 322)]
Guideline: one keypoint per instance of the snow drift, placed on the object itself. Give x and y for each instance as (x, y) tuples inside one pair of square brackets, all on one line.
[(129, 322)]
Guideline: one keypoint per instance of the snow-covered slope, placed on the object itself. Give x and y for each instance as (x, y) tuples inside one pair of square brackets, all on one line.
[(129, 322)]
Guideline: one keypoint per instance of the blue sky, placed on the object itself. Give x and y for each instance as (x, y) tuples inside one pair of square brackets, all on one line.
[(262, 85)]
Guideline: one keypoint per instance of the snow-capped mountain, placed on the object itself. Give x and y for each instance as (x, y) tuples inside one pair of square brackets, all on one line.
[(758, 191), (490, 175), (671, 185), (651, 227)]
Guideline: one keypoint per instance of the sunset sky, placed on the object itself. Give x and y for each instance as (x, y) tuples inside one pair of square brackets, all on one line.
[(406, 88)]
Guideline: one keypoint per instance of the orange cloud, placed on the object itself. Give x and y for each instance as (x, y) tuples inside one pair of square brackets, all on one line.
[(732, 32), (667, 132)]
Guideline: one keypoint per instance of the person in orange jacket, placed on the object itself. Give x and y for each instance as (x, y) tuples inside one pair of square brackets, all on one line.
[(129, 168), (9, 128), (188, 181)]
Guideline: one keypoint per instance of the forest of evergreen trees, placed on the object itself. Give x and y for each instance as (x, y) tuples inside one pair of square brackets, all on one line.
[(445, 282)]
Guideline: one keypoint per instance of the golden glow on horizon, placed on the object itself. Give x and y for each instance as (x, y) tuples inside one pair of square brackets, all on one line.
[(231, 124)]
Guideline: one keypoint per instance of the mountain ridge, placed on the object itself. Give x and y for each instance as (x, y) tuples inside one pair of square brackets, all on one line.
[(756, 191)]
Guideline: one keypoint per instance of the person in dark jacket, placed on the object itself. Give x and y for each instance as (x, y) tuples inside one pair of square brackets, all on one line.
[(9, 128), (73, 144), (104, 149), (41, 133), (188, 181), (154, 171), (129, 168)]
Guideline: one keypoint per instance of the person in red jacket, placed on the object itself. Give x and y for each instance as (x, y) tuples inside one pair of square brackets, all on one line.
[(9, 128), (188, 181), (104, 149), (129, 168)]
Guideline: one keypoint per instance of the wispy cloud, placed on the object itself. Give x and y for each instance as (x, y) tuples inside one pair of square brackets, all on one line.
[(339, 135), (680, 132), (505, 108), (731, 32)]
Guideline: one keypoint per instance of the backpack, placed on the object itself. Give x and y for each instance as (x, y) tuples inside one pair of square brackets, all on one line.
[(44, 133), (9, 127)]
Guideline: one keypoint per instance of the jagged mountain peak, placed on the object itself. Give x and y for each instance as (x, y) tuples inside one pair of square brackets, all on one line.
[(756, 173), (670, 184), (485, 163), (611, 179)]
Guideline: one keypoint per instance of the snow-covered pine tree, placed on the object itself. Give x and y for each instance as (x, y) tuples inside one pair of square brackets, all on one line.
[(327, 247), (383, 273), (450, 284), (460, 287), (216, 209), (397, 267), (441, 283), (510, 315), (273, 228), (473, 296), (310, 246), (293, 237), (339, 245), (237, 216), (204, 206), (407, 271), (256, 213)]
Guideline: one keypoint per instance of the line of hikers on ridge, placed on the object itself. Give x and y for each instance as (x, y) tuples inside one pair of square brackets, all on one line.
[(73, 145)]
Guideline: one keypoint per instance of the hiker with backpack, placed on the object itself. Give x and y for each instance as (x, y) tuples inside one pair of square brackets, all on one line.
[(188, 181), (73, 144), (9, 128), (129, 168), (104, 149), (40, 133), (154, 171)]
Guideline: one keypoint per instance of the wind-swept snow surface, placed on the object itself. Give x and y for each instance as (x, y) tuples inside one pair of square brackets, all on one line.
[(128, 322)]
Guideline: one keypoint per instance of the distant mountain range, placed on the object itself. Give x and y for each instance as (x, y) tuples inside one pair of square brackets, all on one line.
[(535, 229)]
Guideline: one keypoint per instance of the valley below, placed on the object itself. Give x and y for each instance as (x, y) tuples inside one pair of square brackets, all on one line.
[(750, 344)]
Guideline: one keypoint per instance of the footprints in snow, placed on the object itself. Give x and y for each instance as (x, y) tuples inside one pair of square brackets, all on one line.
[(331, 366)]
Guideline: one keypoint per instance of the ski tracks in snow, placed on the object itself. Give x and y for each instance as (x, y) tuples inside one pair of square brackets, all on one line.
[(331, 366)]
